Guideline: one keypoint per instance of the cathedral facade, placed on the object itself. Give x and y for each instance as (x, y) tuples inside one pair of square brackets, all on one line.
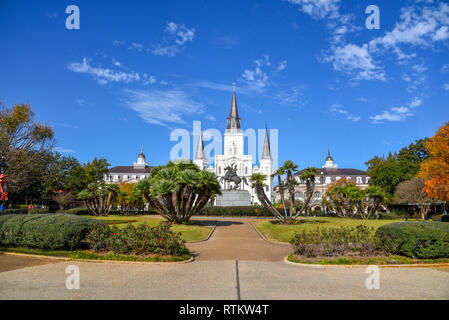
[(234, 156)]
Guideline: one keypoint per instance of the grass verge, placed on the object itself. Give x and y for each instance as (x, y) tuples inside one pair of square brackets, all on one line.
[(88, 255), (391, 260), (192, 232), (284, 233)]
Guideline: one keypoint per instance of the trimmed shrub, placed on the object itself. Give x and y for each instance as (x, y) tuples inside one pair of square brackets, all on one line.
[(15, 211), (39, 210), (424, 240), (243, 211), (334, 241), (76, 211), (45, 231), (139, 240)]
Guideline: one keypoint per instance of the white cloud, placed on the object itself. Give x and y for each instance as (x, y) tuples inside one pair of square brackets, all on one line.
[(179, 36), (162, 107), (118, 43), (445, 68), (62, 150), (291, 97), (361, 99), (107, 75), (418, 26), (398, 113), (81, 102), (338, 108), (137, 46), (282, 65), (318, 9), (446, 86), (258, 78), (355, 61)]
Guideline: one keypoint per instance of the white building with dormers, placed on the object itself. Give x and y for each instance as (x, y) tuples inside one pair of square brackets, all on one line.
[(234, 155), (130, 174), (329, 174)]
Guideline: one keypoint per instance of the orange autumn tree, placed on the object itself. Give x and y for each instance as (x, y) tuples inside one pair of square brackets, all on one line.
[(435, 170)]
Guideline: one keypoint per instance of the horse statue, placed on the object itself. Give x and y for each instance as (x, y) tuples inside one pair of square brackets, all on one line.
[(231, 176)]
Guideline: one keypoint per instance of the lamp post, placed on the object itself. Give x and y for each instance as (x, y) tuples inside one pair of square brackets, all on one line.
[(3, 193)]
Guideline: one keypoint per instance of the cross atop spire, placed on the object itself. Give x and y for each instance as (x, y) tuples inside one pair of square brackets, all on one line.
[(233, 123)]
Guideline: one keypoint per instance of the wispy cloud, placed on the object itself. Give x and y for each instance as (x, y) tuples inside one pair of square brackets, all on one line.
[(178, 35), (258, 78), (290, 97), (226, 42), (52, 15), (446, 86), (161, 107), (64, 150), (338, 108), (65, 125), (81, 102), (418, 26), (107, 75), (355, 61), (398, 113), (445, 68)]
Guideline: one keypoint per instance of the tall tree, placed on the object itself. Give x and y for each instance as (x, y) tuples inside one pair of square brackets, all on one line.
[(258, 183), (178, 190), (290, 167), (412, 192), (435, 170), (388, 172), (281, 187), (23, 141), (308, 176)]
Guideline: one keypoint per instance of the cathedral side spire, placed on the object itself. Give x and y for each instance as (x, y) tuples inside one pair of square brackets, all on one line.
[(233, 123), (266, 151), (200, 148)]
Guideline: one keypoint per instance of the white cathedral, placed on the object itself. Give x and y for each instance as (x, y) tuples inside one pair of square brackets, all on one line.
[(234, 155)]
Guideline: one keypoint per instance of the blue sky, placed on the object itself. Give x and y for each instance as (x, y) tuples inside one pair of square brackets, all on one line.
[(136, 70)]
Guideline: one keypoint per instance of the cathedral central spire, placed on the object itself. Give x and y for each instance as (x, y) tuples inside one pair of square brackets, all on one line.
[(233, 124)]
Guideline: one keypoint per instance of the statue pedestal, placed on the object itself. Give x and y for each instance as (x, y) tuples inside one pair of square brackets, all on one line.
[(233, 198)]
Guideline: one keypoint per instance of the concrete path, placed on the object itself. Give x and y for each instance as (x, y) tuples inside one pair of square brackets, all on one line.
[(201, 280), (234, 263), (238, 240)]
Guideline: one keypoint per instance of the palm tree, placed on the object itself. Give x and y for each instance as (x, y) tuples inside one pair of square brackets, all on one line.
[(290, 167), (308, 175), (178, 190), (279, 173), (258, 183)]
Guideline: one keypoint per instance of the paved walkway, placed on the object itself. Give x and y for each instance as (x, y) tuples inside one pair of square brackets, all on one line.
[(238, 240), (234, 263)]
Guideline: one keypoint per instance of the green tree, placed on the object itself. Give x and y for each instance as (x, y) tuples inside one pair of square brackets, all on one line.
[(99, 197), (290, 167), (308, 176), (388, 172), (258, 183), (281, 187), (88, 173), (24, 143), (178, 190)]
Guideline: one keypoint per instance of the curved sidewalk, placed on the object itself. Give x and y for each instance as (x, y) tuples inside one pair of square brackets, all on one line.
[(237, 239)]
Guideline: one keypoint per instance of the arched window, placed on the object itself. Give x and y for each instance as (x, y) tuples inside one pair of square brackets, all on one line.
[(359, 180), (298, 195), (246, 170), (317, 195), (219, 170)]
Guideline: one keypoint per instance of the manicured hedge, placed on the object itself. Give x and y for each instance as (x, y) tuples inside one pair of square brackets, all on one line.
[(425, 240), (253, 211), (45, 231)]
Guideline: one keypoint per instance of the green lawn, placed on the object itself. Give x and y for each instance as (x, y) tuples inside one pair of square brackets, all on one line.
[(284, 233), (193, 232)]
